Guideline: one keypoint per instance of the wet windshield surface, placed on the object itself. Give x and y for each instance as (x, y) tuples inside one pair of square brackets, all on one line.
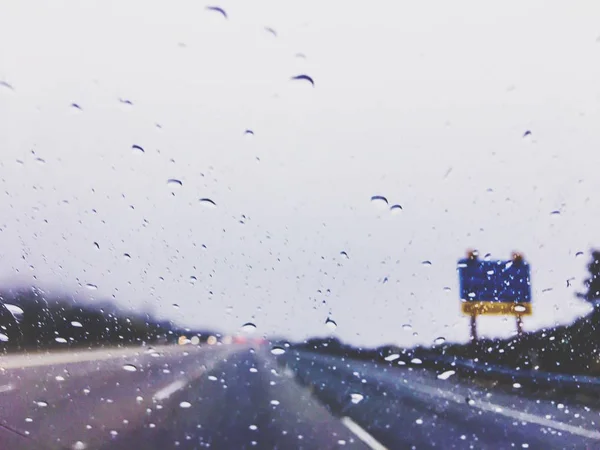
[(267, 225)]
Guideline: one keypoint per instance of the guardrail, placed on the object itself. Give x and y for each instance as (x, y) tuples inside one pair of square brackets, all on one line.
[(535, 378)]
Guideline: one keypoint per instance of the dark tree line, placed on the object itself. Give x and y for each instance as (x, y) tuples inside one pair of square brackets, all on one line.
[(31, 319)]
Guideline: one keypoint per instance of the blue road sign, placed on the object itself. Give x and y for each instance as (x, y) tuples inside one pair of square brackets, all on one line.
[(490, 283)]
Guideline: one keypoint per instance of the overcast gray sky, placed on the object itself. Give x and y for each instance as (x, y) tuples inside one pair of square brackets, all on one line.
[(425, 103)]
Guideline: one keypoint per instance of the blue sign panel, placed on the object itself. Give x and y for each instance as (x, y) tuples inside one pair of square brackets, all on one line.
[(494, 281)]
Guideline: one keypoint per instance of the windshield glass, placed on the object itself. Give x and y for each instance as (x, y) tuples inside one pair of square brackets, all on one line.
[(299, 225)]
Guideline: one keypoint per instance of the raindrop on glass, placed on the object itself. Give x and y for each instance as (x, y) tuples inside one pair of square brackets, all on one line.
[(3, 337), (185, 405), (60, 340), (407, 326), (137, 149), (277, 351), (344, 255), (76, 324), (41, 403), (129, 368), (379, 201), (445, 375), (91, 287), (14, 309), (174, 183), (249, 327), (440, 340), (330, 324), (395, 209), (356, 398), (426, 263), (208, 203)]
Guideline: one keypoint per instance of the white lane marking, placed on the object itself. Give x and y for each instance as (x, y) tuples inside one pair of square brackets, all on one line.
[(362, 434), (508, 412), (170, 389), (6, 388)]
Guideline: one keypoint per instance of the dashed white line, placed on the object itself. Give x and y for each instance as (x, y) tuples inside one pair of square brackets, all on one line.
[(362, 434), (170, 389), (507, 412)]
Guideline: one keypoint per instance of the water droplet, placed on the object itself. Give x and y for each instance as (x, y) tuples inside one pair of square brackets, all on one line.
[(97, 246), (59, 378), (137, 149), (274, 402), (356, 398), (79, 445), (330, 324), (76, 106), (7, 85), (419, 421), (277, 351), (40, 160), (527, 134), (555, 213), (218, 10), (271, 30), (91, 287), (304, 77), (3, 337), (445, 375), (516, 385), (344, 254), (129, 368), (440, 340), (416, 361), (520, 308), (174, 183), (60, 340), (392, 357), (407, 326), (380, 201), (426, 263), (249, 132), (212, 378), (578, 254), (249, 327), (175, 305), (447, 289), (41, 403), (208, 203), (76, 324), (253, 370), (14, 309), (395, 209), (185, 405), (253, 427), (127, 256)]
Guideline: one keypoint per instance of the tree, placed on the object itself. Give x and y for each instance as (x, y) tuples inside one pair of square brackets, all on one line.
[(593, 282)]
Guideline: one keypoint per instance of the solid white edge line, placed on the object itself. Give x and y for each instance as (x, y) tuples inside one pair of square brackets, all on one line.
[(362, 434), (507, 412)]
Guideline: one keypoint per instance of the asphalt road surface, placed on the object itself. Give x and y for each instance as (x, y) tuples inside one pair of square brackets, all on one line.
[(235, 397)]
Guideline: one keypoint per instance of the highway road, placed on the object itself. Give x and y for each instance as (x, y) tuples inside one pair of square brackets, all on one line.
[(235, 397)]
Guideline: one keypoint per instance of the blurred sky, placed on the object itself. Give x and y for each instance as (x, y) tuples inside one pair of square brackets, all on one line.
[(425, 103)]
